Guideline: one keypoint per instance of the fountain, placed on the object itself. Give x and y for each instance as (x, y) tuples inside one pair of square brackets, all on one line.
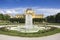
[(28, 27)]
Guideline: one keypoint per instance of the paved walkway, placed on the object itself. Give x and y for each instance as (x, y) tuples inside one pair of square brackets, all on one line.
[(52, 37), (54, 26)]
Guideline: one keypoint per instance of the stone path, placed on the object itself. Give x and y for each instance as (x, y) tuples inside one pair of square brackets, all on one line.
[(51, 37)]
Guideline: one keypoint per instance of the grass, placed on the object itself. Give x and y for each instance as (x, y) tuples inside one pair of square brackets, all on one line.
[(41, 33), (54, 24)]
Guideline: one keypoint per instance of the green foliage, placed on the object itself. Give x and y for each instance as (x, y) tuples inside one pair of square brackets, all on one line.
[(50, 18), (53, 18), (58, 17), (1, 16), (18, 20), (37, 19), (22, 20), (4, 17)]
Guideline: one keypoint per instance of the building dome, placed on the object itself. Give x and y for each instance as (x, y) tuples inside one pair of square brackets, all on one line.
[(29, 11)]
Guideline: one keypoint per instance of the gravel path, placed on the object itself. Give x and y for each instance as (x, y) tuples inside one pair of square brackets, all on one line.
[(52, 37)]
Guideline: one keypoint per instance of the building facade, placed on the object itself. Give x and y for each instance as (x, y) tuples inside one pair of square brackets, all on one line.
[(34, 15)]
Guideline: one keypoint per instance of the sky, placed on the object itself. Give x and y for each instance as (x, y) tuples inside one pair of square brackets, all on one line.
[(46, 7)]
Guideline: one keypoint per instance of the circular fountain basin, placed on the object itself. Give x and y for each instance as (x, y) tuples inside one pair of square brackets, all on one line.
[(28, 30)]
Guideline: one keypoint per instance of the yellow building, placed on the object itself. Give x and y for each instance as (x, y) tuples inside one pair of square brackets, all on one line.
[(39, 16), (19, 16), (31, 12)]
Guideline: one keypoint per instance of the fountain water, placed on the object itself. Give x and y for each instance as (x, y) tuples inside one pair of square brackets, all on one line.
[(28, 21)]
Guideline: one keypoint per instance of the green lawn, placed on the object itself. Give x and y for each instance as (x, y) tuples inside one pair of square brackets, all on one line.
[(54, 24)]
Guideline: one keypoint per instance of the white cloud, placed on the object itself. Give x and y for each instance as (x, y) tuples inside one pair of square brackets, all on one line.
[(1, 11), (37, 10), (47, 11)]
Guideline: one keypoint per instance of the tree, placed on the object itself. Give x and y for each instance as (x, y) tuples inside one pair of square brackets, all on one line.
[(50, 18), (18, 20), (58, 17), (6, 17), (1, 17)]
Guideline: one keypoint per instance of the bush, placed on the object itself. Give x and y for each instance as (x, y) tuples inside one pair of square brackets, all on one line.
[(3, 29)]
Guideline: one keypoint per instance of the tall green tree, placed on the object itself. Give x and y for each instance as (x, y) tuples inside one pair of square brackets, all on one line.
[(50, 18), (1, 16), (58, 17), (6, 17)]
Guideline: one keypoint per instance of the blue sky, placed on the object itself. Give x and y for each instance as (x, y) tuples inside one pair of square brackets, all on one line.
[(47, 7), (30, 3)]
